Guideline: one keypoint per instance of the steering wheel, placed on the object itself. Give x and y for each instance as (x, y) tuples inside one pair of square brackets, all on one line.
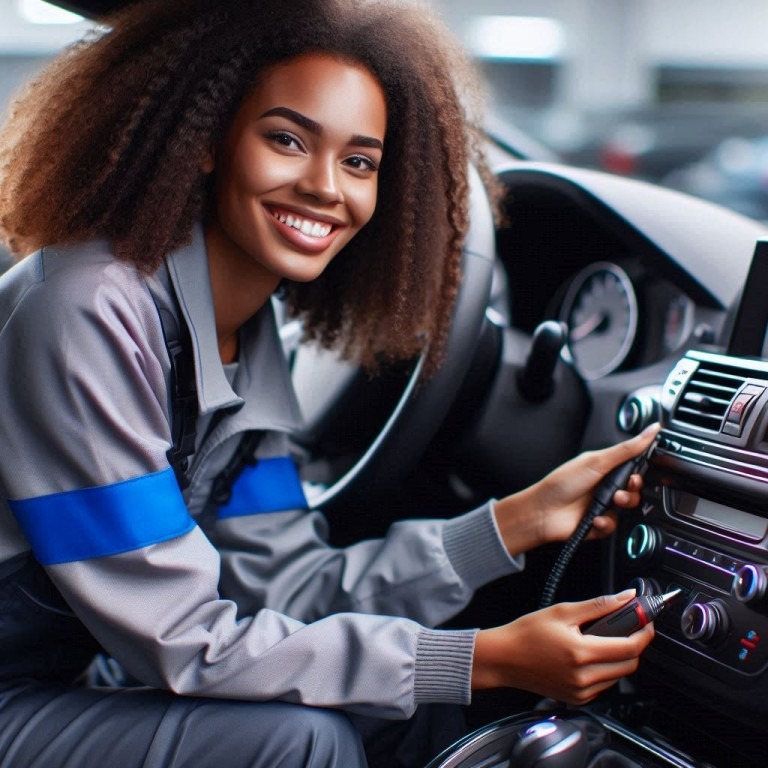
[(332, 393)]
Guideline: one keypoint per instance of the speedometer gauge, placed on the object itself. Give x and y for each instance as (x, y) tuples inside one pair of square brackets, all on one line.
[(600, 310)]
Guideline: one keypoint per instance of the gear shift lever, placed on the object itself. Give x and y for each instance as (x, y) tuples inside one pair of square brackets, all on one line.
[(537, 379)]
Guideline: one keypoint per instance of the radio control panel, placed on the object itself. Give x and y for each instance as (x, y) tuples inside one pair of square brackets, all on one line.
[(720, 620), (702, 526)]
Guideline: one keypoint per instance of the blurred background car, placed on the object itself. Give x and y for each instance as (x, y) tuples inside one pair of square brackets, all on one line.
[(733, 174), (651, 142)]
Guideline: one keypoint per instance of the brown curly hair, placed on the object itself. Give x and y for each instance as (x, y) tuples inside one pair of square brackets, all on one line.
[(109, 142)]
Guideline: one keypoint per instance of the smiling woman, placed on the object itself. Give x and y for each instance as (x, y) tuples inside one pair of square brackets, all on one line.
[(156, 139), (161, 181), (296, 180)]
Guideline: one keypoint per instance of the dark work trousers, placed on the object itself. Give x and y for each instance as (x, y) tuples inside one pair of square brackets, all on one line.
[(46, 723), (49, 726)]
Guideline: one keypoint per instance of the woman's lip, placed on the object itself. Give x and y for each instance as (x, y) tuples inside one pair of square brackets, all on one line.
[(304, 214), (299, 240)]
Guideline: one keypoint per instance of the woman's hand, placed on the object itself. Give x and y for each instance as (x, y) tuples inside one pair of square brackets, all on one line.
[(550, 510), (546, 653)]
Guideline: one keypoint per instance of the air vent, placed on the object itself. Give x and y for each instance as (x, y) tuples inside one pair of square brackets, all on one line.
[(708, 394)]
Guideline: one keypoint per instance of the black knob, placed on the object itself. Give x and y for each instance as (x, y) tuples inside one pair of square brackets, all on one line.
[(704, 622), (537, 379), (644, 585), (750, 583), (639, 410), (643, 542)]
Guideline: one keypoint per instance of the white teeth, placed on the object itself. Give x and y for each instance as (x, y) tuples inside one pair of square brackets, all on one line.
[(305, 226)]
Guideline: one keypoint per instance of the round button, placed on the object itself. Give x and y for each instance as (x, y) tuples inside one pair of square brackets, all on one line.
[(643, 542), (704, 622), (630, 416), (638, 410), (749, 583), (644, 585)]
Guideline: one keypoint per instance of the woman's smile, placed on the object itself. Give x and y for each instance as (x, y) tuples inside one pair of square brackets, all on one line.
[(304, 231)]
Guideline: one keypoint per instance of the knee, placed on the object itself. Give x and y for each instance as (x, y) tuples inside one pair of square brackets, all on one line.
[(329, 740)]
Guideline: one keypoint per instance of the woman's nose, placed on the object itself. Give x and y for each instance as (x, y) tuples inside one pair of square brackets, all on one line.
[(321, 181)]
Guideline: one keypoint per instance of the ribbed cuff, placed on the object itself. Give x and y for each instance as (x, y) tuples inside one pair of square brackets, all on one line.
[(444, 666), (475, 549)]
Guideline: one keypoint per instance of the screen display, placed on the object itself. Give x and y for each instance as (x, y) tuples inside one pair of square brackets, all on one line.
[(748, 336), (713, 513)]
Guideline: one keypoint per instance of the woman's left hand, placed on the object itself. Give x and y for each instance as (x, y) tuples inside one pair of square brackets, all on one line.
[(551, 509)]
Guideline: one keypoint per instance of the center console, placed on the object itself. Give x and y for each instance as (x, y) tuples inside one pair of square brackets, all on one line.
[(700, 697), (702, 527)]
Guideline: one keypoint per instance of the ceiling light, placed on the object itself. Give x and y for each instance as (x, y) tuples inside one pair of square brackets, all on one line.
[(515, 37), (40, 12)]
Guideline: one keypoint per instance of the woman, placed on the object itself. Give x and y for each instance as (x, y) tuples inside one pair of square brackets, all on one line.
[(165, 178)]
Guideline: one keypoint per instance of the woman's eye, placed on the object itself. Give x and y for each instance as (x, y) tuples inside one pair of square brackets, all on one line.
[(361, 163), (283, 139)]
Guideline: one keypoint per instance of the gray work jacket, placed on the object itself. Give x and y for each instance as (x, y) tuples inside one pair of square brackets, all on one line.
[(258, 605)]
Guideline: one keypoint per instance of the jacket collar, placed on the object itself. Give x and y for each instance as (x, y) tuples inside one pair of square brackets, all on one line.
[(265, 397)]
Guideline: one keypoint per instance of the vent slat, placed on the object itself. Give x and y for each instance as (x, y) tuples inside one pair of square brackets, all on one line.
[(709, 417), (716, 388), (695, 397), (734, 377)]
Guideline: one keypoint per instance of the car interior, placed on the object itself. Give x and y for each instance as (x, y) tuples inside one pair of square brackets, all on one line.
[(594, 307)]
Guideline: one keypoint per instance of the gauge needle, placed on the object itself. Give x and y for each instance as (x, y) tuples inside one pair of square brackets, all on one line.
[(590, 325)]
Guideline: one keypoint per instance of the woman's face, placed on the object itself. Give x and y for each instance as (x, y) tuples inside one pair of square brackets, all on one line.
[(296, 175)]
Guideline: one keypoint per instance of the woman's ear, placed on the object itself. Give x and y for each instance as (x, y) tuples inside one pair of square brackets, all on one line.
[(208, 163)]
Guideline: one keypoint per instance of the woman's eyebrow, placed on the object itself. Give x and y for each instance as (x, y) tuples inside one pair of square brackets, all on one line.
[(313, 127)]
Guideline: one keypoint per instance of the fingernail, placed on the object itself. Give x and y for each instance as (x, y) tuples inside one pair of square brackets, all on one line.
[(651, 428), (627, 594)]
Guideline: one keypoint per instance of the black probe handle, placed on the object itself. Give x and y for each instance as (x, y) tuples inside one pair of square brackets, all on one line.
[(615, 480), (624, 621)]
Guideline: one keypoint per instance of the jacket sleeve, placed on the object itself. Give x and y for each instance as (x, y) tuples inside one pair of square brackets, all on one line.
[(157, 610), (426, 570), (85, 474)]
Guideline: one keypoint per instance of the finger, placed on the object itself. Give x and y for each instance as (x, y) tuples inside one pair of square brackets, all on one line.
[(601, 677), (589, 693), (620, 650), (589, 610), (604, 524), (626, 499), (617, 454)]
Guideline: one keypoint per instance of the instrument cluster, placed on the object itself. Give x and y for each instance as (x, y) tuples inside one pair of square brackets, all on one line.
[(619, 315)]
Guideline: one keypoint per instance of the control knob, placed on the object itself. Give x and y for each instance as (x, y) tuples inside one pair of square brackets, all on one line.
[(705, 622), (644, 586), (643, 542), (750, 583), (639, 410)]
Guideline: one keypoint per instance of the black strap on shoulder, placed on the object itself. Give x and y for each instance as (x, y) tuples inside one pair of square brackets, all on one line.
[(184, 414), (184, 408), (244, 455), (182, 391)]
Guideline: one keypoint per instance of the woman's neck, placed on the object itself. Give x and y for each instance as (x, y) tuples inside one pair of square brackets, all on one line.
[(240, 287)]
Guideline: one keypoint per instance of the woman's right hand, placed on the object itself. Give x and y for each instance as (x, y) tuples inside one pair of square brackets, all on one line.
[(546, 653)]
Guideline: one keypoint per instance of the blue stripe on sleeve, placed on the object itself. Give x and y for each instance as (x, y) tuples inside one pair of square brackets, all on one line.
[(271, 485), (108, 520)]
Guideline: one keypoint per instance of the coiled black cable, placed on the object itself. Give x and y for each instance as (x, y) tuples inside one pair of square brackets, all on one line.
[(602, 500)]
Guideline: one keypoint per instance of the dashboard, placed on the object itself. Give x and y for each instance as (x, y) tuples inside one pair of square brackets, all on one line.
[(663, 301), (628, 301)]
